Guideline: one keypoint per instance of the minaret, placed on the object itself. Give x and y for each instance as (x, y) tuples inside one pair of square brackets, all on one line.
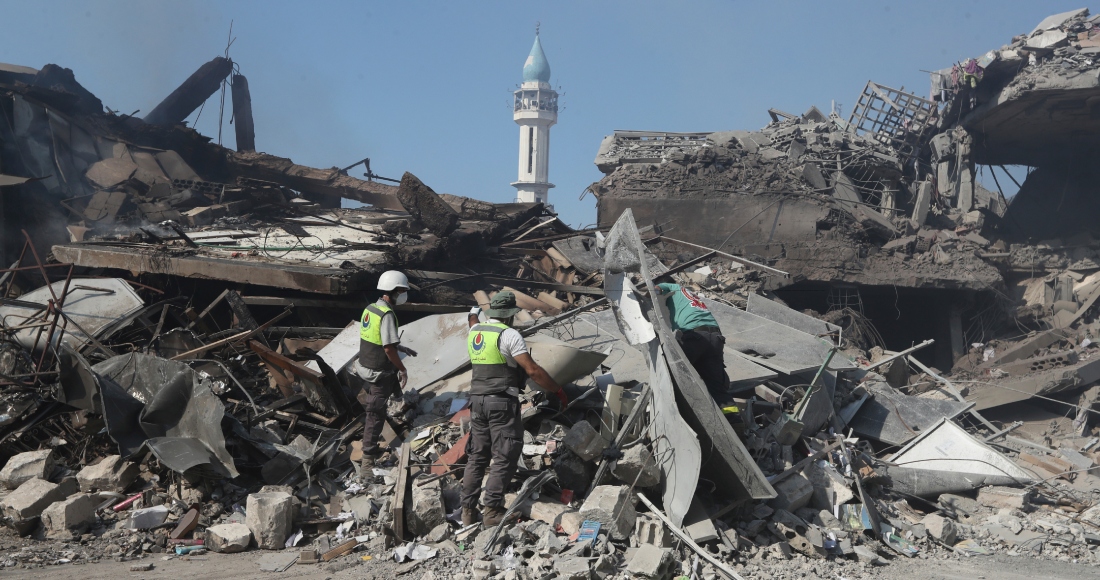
[(535, 110)]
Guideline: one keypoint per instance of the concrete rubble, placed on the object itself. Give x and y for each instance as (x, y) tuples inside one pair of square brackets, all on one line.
[(912, 357)]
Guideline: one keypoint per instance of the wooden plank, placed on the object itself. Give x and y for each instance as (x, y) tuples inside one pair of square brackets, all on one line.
[(236, 337), (284, 363), (400, 490), (208, 308)]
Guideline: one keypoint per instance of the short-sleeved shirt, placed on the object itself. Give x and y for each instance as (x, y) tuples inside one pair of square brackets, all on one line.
[(389, 326), (686, 308), (511, 343)]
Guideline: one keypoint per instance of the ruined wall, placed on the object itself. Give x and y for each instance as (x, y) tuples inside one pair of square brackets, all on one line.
[(734, 220)]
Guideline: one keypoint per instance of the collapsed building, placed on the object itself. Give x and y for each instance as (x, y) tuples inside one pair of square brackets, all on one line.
[(912, 356)]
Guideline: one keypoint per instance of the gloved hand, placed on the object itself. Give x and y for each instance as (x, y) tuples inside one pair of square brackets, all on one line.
[(402, 378), (475, 311), (562, 397), (406, 350)]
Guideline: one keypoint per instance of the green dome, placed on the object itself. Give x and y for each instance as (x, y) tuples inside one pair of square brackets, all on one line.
[(536, 68)]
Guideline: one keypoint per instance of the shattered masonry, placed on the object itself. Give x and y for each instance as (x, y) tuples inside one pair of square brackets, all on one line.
[(912, 357)]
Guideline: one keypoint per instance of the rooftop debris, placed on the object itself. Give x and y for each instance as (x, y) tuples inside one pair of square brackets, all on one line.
[(178, 322)]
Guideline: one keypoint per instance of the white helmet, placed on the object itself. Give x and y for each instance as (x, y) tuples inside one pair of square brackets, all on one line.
[(392, 279)]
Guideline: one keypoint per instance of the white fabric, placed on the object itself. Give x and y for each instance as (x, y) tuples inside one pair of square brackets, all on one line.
[(389, 326), (511, 343)]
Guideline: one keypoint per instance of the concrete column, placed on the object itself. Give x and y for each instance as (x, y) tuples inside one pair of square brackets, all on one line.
[(242, 115), (193, 92)]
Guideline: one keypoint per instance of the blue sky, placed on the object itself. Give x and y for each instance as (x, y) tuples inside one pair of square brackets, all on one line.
[(426, 86)]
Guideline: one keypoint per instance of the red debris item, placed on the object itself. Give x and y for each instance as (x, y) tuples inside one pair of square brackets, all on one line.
[(566, 496), (460, 416), (126, 503), (453, 455)]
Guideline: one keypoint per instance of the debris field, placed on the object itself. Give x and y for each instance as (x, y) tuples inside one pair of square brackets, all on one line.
[(912, 358)]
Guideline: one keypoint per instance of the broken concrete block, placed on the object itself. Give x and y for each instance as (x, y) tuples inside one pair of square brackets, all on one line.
[(110, 474), (425, 206), (998, 497), (571, 522), (30, 498), (650, 530), (940, 528), (797, 533), (427, 508), (438, 533), (572, 568), (147, 518), (270, 516), (585, 441), (868, 555), (637, 467), (201, 216), (26, 466), (228, 538), (792, 493), (613, 507), (63, 517), (651, 562), (829, 486), (547, 511)]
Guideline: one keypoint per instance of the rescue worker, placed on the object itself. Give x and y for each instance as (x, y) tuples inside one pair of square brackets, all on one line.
[(379, 364), (699, 336), (501, 366)]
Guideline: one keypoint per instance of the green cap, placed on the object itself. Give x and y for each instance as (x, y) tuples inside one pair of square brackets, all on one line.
[(503, 305)]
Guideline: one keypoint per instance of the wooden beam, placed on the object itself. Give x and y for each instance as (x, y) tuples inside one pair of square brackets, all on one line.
[(400, 490), (236, 337)]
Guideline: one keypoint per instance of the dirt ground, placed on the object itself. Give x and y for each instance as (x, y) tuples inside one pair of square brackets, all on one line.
[(245, 567)]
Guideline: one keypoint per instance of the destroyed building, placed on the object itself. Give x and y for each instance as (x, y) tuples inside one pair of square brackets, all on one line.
[(911, 356)]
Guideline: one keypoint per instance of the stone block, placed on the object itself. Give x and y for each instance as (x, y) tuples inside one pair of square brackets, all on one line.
[(110, 474), (613, 507), (30, 498), (829, 486), (940, 528), (201, 216), (547, 511), (269, 516), (650, 530), (585, 441), (228, 538), (637, 467), (651, 562), (427, 508), (26, 466), (571, 522), (63, 517), (792, 493), (572, 568), (998, 497)]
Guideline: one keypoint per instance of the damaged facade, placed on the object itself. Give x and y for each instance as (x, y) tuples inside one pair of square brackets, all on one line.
[(179, 319)]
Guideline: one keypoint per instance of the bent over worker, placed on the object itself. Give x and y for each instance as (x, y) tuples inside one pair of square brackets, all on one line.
[(501, 366), (379, 364), (699, 336)]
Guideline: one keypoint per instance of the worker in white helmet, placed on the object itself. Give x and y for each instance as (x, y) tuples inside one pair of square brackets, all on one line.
[(379, 363)]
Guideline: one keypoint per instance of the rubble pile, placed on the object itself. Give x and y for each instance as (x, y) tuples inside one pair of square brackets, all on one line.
[(178, 326)]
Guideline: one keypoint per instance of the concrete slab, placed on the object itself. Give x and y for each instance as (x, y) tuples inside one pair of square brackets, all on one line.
[(777, 312), (770, 344)]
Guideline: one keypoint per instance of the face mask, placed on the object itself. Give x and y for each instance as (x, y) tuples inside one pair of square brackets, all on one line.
[(402, 298)]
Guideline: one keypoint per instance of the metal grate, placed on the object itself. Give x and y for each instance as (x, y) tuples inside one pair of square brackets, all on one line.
[(892, 117)]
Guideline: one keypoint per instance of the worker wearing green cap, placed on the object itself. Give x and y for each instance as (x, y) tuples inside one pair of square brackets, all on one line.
[(501, 366)]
